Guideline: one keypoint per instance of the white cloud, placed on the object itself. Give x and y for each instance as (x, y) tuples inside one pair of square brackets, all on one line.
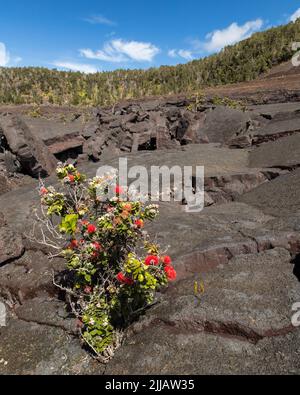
[(182, 53), (99, 20), (295, 15), (107, 54), (135, 50), (120, 50), (217, 40), (185, 54), (4, 55), (234, 33), (172, 53), (83, 68)]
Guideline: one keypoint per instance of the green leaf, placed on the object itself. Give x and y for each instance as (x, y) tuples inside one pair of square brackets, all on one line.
[(69, 224)]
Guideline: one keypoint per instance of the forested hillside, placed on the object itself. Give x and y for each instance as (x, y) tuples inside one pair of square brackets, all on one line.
[(241, 62)]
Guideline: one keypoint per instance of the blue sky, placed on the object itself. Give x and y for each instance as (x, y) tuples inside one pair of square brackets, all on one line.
[(97, 35)]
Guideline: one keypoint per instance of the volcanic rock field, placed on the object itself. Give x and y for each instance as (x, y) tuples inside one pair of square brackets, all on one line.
[(244, 247)]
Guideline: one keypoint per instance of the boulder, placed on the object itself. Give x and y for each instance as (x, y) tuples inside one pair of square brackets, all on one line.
[(33, 155), (194, 132), (163, 136), (63, 139), (223, 123)]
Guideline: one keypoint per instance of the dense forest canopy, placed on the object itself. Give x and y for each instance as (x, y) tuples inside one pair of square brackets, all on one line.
[(237, 63)]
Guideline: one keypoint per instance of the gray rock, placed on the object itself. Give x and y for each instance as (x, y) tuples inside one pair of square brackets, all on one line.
[(42, 350), (283, 153), (11, 245), (32, 154), (240, 324), (279, 197), (224, 123)]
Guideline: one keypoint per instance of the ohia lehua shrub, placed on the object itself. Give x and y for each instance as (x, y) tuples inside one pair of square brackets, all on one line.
[(113, 269)]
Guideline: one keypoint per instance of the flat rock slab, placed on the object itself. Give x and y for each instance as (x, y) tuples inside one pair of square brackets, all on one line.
[(242, 298), (29, 276), (283, 153), (246, 305), (280, 197), (49, 312), (200, 242), (27, 348), (271, 110), (188, 232), (217, 160), (280, 126), (163, 350)]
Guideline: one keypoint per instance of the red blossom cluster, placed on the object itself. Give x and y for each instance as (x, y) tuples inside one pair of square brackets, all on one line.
[(153, 260), (43, 191), (124, 280), (139, 223), (71, 178), (91, 229)]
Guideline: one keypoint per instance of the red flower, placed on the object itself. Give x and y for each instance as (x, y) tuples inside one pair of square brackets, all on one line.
[(97, 246), (43, 191), (88, 290), (167, 260), (71, 178), (119, 190), (74, 244), (139, 223), (171, 273), (124, 280), (152, 260), (91, 229)]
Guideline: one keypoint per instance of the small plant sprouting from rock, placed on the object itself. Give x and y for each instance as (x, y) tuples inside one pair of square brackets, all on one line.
[(228, 102), (113, 269), (197, 101), (35, 112)]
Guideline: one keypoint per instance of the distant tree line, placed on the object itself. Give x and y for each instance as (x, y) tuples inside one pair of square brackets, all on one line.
[(244, 61)]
